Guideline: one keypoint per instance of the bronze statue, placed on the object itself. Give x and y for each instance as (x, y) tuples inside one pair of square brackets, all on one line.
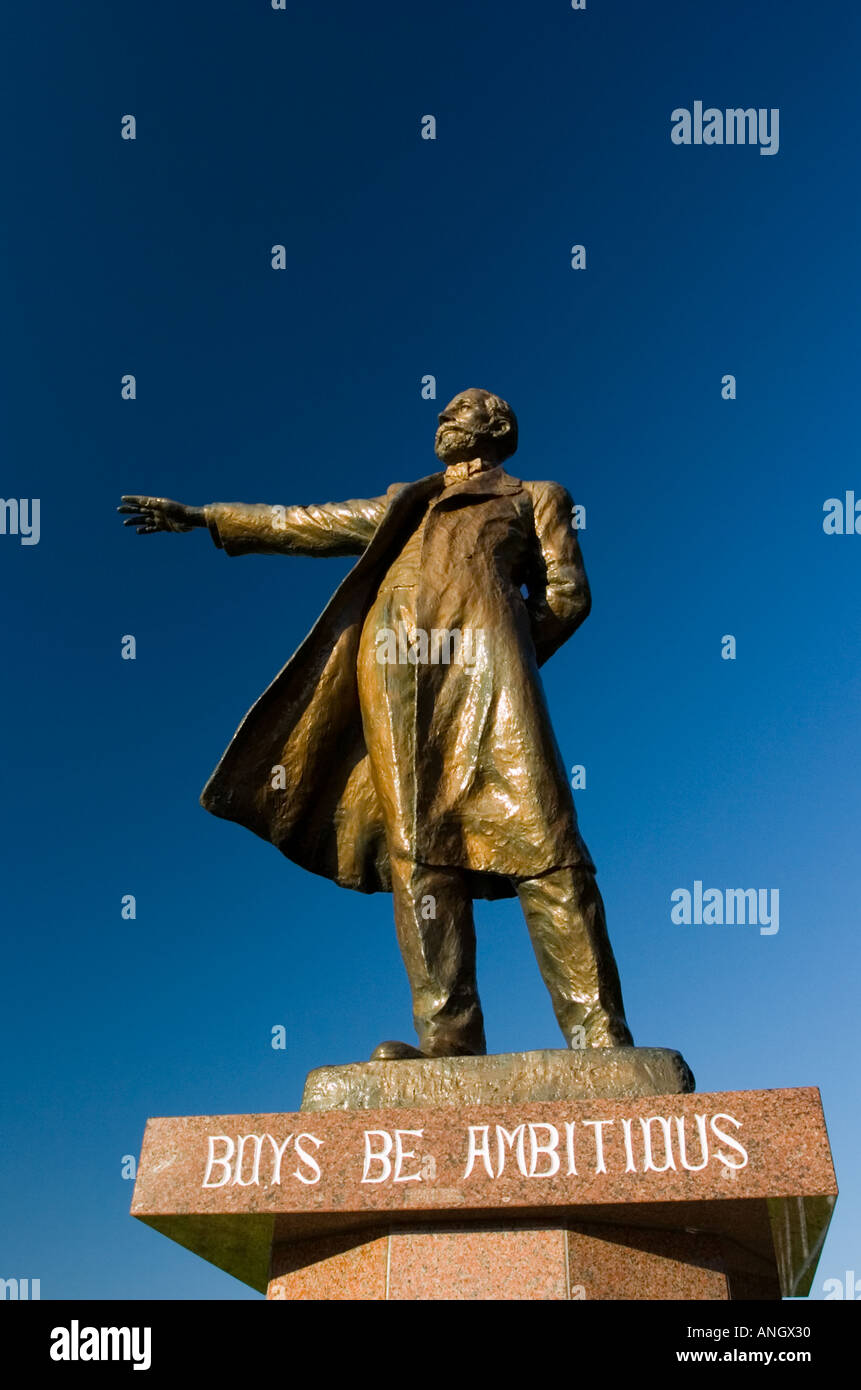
[(406, 747)]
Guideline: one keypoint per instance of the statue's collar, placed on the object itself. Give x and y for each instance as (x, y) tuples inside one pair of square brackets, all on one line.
[(482, 482), (486, 482), (459, 472)]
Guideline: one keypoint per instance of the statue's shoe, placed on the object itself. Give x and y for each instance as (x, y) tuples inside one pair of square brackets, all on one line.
[(395, 1052), (401, 1051)]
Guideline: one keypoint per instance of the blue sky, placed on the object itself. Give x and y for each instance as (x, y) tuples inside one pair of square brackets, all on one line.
[(407, 257)]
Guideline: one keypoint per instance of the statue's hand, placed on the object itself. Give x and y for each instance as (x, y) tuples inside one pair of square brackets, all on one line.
[(148, 514)]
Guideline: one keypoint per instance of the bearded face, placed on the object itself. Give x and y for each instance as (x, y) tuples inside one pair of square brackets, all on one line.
[(474, 425)]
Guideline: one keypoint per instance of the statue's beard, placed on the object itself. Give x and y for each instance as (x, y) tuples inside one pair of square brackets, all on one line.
[(454, 444)]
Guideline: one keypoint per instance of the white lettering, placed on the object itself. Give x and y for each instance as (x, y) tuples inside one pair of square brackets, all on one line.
[(225, 1161), (381, 1157), (478, 1149)]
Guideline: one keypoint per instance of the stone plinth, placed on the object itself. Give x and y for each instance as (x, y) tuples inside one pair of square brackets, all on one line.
[(509, 1078), (711, 1196), (514, 1261)]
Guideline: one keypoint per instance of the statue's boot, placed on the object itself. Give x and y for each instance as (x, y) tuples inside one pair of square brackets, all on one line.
[(394, 1052), (400, 1051)]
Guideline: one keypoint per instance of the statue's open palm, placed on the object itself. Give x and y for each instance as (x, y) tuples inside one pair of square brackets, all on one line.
[(150, 514)]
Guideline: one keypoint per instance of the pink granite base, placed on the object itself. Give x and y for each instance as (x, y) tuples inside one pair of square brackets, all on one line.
[(502, 1263), (332, 1267), (680, 1196), (621, 1262)]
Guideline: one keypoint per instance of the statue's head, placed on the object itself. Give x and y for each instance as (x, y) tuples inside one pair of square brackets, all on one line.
[(476, 424)]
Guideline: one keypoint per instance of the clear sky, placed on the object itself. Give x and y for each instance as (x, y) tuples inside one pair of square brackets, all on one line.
[(408, 257)]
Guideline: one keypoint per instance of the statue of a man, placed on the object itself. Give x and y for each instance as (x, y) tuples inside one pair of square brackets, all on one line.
[(406, 746)]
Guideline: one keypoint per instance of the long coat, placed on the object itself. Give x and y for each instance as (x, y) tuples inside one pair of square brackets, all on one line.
[(488, 791)]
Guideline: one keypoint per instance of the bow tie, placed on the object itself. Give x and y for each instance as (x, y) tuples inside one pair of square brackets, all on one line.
[(459, 472)]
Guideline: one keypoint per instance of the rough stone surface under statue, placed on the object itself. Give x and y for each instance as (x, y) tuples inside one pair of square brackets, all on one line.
[(510, 1078)]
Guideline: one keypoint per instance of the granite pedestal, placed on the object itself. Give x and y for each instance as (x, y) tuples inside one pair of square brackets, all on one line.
[(552, 1175)]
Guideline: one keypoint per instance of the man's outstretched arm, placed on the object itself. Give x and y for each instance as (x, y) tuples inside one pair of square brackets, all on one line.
[(242, 528)]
